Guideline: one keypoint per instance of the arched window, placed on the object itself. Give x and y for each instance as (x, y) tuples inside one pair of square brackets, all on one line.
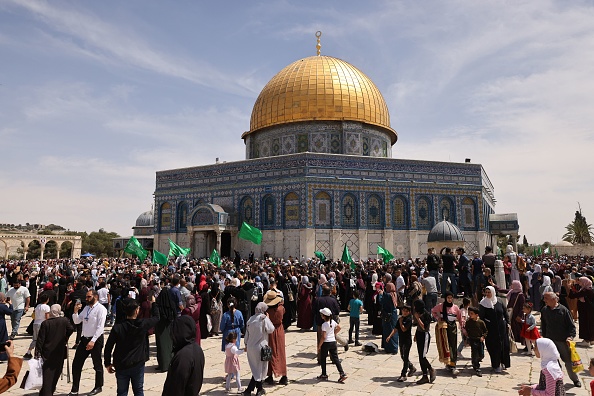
[(182, 216), (323, 209), (424, 214), (374, 211), (246, 211), (349, 211), (202, 216), (268, 211), (400, 215), (291, 210), (468, 213), (447, 211), (165, 217)]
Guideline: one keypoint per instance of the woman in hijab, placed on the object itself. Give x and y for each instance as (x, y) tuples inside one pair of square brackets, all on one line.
[(446, 331), (278, 365), (376, 310), (570, 303), (203, 299), (257, 330), (515, 302), (192, 309), (216, 309), (545, 287), (232, 321), (167, 314), (304, 305), (535, 282), (585, 307), (5, 309), (389, 309), (494, 314), (551, 376)]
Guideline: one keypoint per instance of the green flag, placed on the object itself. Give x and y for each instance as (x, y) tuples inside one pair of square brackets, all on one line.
[(250, 233), (321, 256), (539, 251), (159, 258), (175, 250), (346, 257), (134, 247), (215, 258), (385, 253)]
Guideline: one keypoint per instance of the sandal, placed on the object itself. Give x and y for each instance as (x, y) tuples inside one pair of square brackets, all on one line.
[(322, 377), (343, 378)]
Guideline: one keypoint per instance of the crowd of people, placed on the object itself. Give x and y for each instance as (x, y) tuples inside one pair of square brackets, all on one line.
[(250, 304)]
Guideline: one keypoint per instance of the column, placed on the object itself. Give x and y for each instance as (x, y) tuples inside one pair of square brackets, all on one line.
[(25, 250), (42, 250), (218, 232), (58, 247)]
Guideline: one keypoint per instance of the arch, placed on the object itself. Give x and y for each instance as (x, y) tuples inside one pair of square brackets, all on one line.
[(182, 216), (165, 217), (375, 211), (66, 249), (447, 210), (469, 210), (349, 213), (246, 211), (202, 216), (400, 212), (291, 210), (51, 250), (424, 213), (322, 209), (33, 249), (268, 211)]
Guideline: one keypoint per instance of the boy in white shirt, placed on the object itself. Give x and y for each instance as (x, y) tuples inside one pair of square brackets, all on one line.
[(328, 345)]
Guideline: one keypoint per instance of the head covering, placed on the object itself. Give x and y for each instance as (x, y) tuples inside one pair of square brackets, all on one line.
[(322, 280), (326, 312), (294, 280), (48, 286), (55, 311), (489, 302), (374, 278), (391, 288), (516, 287), (261, 308), (585, 282), (445, 305), (546, 281), (183, 332), (271, 298), (549, 357)]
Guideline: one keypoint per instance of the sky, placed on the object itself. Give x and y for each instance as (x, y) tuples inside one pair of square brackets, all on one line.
[(95, 97)]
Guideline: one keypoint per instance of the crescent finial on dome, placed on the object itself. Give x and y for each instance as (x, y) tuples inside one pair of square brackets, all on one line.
[(318, 45)]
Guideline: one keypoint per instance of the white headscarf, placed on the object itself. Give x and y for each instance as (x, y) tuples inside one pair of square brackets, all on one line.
[(489, 302), (537, 268), (549, 357), (546, 281)]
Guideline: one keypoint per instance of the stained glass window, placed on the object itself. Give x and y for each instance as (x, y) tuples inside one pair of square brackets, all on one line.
[(246, 211), (291, 210), (182, 216), (469, 213), (323, 209), (374, 211), (349, 211), (268, 205), (423, 213), (399, 212), (165, 217)]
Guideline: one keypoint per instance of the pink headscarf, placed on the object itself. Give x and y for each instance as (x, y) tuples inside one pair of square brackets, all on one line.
[(585, 283), (516, 287), (322, 280)]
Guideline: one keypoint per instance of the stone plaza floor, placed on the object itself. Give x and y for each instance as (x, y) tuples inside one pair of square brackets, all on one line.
[(369, 373)]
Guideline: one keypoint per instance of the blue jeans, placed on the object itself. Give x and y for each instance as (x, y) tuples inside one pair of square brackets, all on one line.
[(133, 374), (444, 282), (15, 320)]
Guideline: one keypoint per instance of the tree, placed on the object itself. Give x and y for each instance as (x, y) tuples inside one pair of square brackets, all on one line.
[(579, 232)]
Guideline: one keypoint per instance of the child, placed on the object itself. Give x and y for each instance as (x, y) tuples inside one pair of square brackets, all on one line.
[(550, 382), (422, 318), (529, 330), (355, 309), (232, 362), (328, 345), (464, 315), (404, 328), (476, 331)]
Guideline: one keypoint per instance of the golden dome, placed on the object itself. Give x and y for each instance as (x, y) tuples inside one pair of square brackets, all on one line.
[(320, 88)]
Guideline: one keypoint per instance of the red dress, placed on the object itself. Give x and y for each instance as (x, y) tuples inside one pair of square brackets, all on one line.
[(529, 334)]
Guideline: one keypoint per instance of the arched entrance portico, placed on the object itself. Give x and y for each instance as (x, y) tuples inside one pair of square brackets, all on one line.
[(208, 230)]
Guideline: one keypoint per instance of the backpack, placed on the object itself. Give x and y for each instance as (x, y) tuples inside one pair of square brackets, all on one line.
[(257, 294)]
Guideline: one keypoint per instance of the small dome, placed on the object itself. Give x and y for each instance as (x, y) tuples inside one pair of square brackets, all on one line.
[(445, 231), (146, 219), (564, 244)]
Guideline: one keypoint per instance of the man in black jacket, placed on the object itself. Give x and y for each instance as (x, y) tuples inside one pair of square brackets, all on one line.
[(130, 339), (186, 372)]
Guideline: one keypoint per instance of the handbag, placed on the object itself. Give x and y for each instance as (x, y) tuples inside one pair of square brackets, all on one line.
[(513, 348), (265, 351)]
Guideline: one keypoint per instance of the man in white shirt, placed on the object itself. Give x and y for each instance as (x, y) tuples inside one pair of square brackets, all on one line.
[(400, 284), (19, 299), (93, 321)]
